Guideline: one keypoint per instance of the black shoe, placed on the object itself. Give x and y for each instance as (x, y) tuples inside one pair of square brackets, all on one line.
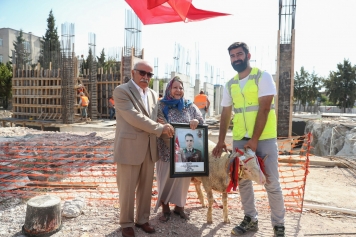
[(279, 231), (246, 225)]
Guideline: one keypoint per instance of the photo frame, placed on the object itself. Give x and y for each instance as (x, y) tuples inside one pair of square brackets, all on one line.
[(189, 151)]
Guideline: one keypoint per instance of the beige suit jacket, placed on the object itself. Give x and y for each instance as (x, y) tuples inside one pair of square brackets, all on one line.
[(136, 128)]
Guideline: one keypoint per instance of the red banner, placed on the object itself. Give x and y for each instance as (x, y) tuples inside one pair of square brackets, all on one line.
[(162, 11)]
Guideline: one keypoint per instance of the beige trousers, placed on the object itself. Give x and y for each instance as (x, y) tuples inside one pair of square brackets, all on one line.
[(133, 179)]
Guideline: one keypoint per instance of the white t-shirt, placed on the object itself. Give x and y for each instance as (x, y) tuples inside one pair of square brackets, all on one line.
[(266, 86)]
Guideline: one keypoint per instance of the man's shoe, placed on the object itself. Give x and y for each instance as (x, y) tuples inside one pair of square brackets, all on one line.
[(246, 225), (128, 232), (146, 227), (279, 231)]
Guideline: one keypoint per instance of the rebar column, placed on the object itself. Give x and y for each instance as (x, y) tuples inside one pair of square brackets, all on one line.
[(67, 75)]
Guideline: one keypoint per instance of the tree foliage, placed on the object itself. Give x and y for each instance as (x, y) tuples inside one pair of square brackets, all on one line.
[(306, 87), (50, 47), (90, 59), (112, 63), (160, 84), (300, 86), (5, 82), (101, 59), (341, 85), (104, 62), (22, 55)]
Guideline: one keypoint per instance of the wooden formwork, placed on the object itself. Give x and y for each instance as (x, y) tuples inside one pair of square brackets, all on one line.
[(106, 84), (36, 94)]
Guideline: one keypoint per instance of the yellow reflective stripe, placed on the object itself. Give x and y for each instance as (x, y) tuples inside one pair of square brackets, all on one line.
[(249, 109)]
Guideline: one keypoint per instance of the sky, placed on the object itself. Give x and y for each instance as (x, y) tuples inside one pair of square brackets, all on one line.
[(324, 31)]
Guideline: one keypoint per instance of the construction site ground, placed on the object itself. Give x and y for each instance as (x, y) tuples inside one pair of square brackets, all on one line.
[(329, 187)]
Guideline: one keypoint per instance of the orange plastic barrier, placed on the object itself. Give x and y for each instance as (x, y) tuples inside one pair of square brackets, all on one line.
[(75, 168)]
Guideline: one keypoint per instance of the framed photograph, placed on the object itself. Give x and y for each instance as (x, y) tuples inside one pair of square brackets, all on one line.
[(189, 151)]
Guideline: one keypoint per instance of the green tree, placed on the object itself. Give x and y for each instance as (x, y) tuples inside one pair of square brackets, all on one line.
[(300, 87), (50, 48), (111, 63), (306, 87), (21, 53), (90, 59), (5, 83), (101, 59), (313, 84), (341, 85), (150, 85)]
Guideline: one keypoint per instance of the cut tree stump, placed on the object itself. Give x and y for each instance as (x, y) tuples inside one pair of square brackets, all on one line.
[(43, 216)]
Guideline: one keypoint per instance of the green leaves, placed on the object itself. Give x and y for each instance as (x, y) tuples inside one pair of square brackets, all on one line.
[(5, 82), (341, 85), (50, 45), (21, 53), (306, 87)]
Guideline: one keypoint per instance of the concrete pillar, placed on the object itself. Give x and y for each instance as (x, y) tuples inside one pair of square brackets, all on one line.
[(209, 91), (197, 87), (164, 88), (285, 87), (218, 94), (221, 96), (156, 85)]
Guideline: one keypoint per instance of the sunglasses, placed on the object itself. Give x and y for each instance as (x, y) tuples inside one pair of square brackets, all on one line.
[(143, 73)]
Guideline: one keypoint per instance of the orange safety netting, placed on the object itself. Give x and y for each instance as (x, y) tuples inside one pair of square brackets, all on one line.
[(85, 168)]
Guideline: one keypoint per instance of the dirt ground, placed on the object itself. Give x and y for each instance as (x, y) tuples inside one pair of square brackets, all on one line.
[(326, 186)]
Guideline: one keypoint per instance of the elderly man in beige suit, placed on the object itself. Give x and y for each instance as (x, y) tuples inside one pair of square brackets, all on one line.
[(135, 149)]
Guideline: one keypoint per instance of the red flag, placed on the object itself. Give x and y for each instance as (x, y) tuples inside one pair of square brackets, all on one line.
[(177, 148), (154, 3), (151, 12)]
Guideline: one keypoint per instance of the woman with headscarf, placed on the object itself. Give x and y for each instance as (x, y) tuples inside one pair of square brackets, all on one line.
[(173, 108)]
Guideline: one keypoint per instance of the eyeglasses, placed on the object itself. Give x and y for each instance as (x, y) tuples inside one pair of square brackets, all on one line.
[(143, 73)]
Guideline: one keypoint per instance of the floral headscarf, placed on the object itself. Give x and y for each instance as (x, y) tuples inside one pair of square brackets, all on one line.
[(170, 102)]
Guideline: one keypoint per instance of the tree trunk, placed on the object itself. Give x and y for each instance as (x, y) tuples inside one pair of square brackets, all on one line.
[(6, 102), (43, 215)]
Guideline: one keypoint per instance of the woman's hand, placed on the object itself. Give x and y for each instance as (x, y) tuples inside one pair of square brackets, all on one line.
[(193, 124)]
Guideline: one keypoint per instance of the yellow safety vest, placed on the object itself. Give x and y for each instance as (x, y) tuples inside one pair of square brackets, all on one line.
[(201, 101), (245, 104)]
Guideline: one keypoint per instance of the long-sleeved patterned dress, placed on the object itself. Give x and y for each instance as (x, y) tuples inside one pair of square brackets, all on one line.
[(173, 190)]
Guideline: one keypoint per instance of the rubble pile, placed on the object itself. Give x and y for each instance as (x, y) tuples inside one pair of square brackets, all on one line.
[(333, 137)]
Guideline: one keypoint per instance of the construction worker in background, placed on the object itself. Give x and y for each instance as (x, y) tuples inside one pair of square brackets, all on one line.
[(202, 102), (111, 107), (83, 103), (80, 89)]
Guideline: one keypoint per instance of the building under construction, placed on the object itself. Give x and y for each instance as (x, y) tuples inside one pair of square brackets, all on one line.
[(51, 95)]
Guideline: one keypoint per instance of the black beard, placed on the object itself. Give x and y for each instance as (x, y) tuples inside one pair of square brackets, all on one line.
[(241, 66)]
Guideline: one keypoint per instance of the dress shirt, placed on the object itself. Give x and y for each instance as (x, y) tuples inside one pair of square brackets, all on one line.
[(143, 94)]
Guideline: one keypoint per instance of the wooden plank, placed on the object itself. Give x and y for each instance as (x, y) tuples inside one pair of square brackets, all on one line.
[(312, 162), (64, 185)]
